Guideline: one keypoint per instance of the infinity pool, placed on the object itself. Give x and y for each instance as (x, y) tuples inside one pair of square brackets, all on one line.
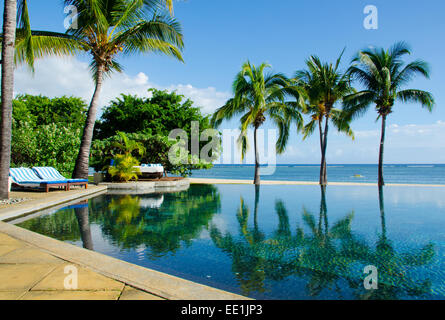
[(273, 242)]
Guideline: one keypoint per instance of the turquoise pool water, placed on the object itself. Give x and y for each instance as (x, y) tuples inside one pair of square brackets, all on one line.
[(275, 242)]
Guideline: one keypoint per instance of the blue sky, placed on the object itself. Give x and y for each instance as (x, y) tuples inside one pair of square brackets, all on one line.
[(221, 34)]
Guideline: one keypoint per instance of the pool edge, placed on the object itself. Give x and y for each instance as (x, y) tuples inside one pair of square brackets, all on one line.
[(7, 214)]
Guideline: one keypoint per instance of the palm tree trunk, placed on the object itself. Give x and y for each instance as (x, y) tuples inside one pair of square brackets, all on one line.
[(382, 211), (83, 158), (382, 147), (7, 93), (321, 147), (84, 227), (255, 212), (323, 170), (257, 180), (324, 209)]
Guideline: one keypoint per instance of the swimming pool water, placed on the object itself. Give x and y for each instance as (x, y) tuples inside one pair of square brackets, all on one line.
[(272, 242)]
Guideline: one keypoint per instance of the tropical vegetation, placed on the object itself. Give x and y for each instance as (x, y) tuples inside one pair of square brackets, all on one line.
[(258, 95), (149, 122), (47, 131), (384, 76), (20, 44), (122, 167), (7, 93), (109, 28), (160, 113), (33, 128), (324, 86)]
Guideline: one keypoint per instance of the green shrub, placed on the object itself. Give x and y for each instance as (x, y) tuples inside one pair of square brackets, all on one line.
[(156, 148), (123, 169), (52, 145)]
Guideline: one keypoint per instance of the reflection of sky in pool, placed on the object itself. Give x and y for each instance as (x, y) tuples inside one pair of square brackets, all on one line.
[(282, 242)]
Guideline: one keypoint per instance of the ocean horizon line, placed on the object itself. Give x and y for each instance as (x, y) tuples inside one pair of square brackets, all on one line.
[(334, 164)]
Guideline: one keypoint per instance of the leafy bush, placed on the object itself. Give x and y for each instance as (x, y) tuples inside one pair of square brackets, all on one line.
[(159, 114), (157, 148), (47, 131), (123, 169), (149, 121), (53, 145), (40, 110)]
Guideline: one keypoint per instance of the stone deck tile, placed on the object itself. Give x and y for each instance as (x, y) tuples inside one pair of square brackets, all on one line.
[(71, 295), (6, 240), (29, 255), (87, 280), (131, 293), (22, 277), (28, 273), (11, 295)]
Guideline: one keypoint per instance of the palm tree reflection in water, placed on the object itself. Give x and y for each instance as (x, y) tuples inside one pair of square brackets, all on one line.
[(330, 258)]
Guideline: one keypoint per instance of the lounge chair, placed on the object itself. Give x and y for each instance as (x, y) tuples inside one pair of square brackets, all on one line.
[(149, 171), (50, 173), (27, 178)]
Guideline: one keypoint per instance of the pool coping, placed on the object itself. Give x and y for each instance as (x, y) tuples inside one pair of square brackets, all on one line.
[(42, 204)]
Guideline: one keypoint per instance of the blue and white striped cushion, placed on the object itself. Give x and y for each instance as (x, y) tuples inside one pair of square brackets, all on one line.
[(48, 173), (23, 175)]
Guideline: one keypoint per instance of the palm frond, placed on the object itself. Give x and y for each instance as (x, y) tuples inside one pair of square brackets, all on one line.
[(426, 99)]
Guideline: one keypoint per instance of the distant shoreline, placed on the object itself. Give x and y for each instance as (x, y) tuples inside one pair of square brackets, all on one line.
[(307, 183), (333, 164)]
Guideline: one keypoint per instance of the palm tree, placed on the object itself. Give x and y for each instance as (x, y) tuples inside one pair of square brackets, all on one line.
[(258, 95), (127, 146), (22, 45), (383, 75), (7, 92), (324, 86), (107, 28)]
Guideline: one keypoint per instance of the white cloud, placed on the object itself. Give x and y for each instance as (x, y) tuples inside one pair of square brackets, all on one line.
[(69, 76), (410, 143)]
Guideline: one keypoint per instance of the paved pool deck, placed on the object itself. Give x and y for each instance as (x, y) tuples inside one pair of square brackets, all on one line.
[(29, 273)]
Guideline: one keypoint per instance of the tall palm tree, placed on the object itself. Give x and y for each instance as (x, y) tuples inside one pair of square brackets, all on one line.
[(109, 27), (258, 95), (26, 46), (325, 86), (7, 93), (383, 74)]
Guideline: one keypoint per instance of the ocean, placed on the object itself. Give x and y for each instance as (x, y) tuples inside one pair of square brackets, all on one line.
[(366, 173)]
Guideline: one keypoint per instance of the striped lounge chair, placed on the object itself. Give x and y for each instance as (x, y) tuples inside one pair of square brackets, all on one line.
[(27, 178), (50, 173)]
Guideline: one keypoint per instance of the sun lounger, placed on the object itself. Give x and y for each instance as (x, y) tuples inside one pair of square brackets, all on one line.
[(27, 178), (50, 173), (151, 171)]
